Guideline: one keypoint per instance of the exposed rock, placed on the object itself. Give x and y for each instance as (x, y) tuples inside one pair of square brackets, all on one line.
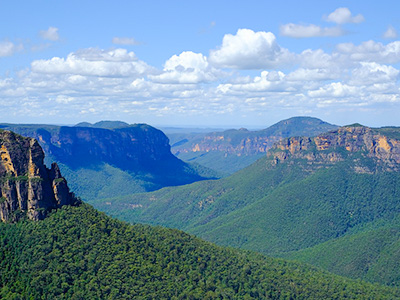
[(243, 142), (27, 187), (336, 145)]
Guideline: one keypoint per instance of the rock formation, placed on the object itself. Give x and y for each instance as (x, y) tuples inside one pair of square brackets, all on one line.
[(27, 187), (339, 144)]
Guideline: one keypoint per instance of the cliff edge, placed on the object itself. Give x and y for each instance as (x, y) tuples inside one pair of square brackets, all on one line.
[(27, 187)]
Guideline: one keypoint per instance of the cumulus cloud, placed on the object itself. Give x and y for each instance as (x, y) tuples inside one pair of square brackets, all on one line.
[(273, 81), (187, 67), (311, 30), (94, 62), (390, 33), (335, 89), (124, 41), (342, 15), (250, 50), (371, 51), (369, 73), (8, 48), (50, 34), (97, 82), (303, 74)]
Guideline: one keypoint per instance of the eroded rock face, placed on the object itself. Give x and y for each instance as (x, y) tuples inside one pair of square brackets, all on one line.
[(27, 187), (336, 145)]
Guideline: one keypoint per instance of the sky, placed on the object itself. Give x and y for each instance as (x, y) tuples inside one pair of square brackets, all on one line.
[(200, 63)]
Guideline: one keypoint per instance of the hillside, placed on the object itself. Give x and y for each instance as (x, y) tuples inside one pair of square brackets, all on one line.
[(232, 150), (134, 158), (304, 192), (371, 254), (79, 253)]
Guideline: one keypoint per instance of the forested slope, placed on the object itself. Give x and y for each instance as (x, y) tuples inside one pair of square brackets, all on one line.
[(79, 253)]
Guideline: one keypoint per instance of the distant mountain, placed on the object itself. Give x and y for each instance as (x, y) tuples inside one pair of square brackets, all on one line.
[(104, 124), (129, 159), (232, 150), (304, 192)]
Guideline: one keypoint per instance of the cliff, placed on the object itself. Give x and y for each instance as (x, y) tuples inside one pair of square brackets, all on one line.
[(27, 187), (243, 142), (355, 141)]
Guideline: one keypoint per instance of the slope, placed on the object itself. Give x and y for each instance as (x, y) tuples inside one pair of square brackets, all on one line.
[(78, 253), (371, 254), (305, 192)]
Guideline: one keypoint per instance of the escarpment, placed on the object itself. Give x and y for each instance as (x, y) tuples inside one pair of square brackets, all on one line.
[(350, 141), (27, 187)]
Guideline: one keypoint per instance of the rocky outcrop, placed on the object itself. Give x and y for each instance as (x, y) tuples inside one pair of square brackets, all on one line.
[(337, 145), (243, 142), (27, 187)]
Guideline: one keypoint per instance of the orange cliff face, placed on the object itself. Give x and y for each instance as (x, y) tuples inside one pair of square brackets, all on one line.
[(326, 147), (27, 187)]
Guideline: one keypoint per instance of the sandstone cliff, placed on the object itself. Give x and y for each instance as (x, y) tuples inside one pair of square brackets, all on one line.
[(27, 187), (243, 142), (339, 144)]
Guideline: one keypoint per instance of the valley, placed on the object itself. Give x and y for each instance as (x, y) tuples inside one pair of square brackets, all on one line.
[(329, 199)]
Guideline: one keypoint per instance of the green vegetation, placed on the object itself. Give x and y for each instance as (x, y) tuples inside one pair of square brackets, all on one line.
[(79, 253), (19, 178), (390, 132), (102, 181), (278, 208), (371, 254)]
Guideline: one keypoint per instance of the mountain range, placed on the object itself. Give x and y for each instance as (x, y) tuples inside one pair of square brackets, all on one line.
[(229, 151), (330, 200), (62, 248), (306, 195)]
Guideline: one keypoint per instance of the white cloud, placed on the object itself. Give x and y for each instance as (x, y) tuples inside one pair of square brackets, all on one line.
[(8, 48), (311, 30), (124, 41), (390, 33), (371, 51), (317, 59), (335, 89), (342, 15), (94, 62), (96, 82), (302, 74), (266, 82), (370, 73), (50, 34), (250, 50), (187, 67)]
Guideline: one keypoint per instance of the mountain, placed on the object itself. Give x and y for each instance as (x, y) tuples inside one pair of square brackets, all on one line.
[(28, 189), (304, 192), (64, 251), (79, 253), (104, 124), (134, 158), (232, 150)]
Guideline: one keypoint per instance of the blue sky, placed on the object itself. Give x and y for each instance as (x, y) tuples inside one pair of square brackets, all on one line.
[(204, 63)]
